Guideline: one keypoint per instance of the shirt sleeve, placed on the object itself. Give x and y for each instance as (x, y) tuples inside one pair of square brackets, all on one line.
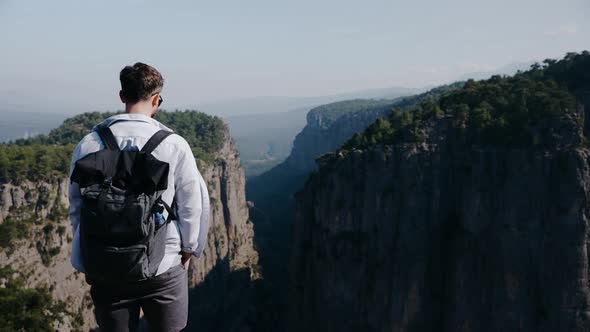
[(204, 220), (74, 195), (192, 203)]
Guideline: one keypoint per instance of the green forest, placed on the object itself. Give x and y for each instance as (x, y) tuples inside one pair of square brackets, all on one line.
[(329, 113), (537, 108), (45, 156)]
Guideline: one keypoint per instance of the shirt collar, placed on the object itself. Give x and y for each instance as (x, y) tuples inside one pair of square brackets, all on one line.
[(132, 117)]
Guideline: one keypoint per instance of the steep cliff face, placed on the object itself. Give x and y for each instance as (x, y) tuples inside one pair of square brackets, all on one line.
[(224, 294), (437, 233), (231, 232), (415, 238), (329, 126), (42, 256)]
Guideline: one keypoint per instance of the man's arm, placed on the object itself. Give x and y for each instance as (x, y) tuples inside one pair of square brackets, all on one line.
[(75, 199), (74, 194), (204, 220), (192, 205)]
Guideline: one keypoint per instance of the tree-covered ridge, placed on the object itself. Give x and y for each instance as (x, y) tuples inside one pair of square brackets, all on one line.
[(407, 103), (33, 162), (44, 156), (533, 109), (329, 113), (204, 133), (70, 132), (573, 72)]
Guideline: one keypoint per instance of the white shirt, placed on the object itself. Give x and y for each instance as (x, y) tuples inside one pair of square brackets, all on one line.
[(189, 232)]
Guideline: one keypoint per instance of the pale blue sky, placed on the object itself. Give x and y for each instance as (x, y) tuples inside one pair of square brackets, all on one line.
[(66, 54)]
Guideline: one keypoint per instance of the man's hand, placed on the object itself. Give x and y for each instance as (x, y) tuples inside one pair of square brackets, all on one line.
[(185, 259)]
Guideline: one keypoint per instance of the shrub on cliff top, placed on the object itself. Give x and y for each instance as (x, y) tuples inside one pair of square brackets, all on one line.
[(27, 309)]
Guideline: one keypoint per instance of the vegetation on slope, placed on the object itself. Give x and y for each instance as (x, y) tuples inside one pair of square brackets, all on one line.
[(204, 133), (34, 162), (528, 110), (45, 156), (329, 113)]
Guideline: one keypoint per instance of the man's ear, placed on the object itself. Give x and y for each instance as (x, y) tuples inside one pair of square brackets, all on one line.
[(122, 96), (155, 100)]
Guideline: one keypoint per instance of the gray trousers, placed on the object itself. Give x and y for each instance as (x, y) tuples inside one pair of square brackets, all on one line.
[(163, 299)]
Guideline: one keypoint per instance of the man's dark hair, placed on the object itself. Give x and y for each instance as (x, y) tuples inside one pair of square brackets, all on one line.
[(140, 81)]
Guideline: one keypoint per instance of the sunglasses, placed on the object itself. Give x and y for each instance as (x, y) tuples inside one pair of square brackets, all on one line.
[(160, 99)]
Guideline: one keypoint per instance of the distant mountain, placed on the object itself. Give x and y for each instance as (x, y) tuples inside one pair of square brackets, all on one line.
[(265, 140), (277, 104), (264, 127), (18, 124)]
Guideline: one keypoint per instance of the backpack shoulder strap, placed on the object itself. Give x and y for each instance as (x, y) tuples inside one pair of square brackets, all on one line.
[(169, 209), (155, 140), (107, 137)]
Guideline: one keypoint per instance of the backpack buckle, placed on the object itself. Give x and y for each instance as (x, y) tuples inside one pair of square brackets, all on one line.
[(108, 181)]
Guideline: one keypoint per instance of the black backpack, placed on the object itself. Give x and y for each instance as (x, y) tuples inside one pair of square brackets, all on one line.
[(121, 238)]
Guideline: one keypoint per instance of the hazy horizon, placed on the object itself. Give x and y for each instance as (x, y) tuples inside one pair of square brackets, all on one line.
[(64, 56)]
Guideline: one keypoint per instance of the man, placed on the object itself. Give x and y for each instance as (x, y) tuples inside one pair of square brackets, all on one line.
[(163, 298)]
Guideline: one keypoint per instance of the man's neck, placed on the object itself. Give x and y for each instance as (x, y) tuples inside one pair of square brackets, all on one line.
[(138, 108)]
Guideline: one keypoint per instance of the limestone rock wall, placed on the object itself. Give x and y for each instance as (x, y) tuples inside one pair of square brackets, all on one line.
[(437, 237)]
